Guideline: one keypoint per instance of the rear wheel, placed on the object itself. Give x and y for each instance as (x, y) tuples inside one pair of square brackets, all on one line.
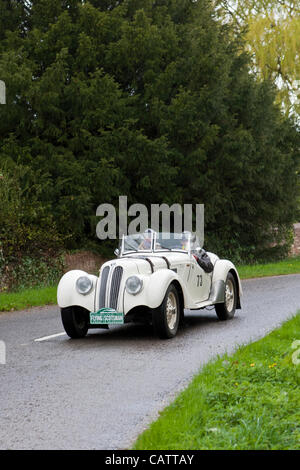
[(166, 317), (226, 310), (75, 321)]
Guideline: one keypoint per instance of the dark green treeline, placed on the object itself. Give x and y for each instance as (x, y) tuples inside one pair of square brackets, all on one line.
[(149, 99)]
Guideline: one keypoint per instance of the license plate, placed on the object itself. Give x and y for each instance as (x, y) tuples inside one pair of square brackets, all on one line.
[(106, 316)]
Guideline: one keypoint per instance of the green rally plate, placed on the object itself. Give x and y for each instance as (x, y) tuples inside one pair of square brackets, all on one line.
[(106, 316)]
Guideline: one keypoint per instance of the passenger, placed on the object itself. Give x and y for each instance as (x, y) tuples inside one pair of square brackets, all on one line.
[(184, 241)]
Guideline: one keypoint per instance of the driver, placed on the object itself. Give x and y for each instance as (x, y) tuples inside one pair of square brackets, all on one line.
[(146, 243)]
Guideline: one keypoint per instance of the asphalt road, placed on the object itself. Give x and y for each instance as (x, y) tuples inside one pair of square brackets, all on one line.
[(101, 391)]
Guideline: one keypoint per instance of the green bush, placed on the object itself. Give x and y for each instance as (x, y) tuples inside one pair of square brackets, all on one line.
[(30, 245), (32, 272)]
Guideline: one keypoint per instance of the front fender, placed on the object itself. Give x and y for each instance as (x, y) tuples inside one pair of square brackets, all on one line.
[(67, 294), (154, 290), (221, 270)]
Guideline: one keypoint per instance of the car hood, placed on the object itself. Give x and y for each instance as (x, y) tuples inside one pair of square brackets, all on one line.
[(143, 263)]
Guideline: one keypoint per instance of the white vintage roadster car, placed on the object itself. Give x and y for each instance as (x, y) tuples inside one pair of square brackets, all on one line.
[(154, 278)]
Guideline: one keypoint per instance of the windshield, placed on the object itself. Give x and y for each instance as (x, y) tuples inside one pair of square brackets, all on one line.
[(152, 241), (172, 241), (138, 242)]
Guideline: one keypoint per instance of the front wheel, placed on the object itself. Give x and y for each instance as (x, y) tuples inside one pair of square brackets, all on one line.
[(165, 318), (226, 310), (75, 321)]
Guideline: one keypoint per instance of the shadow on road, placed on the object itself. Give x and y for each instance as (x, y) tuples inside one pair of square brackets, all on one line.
[(134, 332)]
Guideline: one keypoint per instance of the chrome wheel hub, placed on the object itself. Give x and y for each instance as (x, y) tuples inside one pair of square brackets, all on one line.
[(229, 295), (171, 310)]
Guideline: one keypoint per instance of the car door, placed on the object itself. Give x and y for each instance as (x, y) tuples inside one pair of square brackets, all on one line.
[(199, 282)]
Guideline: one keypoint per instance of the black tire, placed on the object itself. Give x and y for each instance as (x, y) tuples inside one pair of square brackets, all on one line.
[(75, 321), (166, 326), (226, 310)]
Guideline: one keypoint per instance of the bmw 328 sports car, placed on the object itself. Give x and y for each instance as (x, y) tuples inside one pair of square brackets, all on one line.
[(153, 279)]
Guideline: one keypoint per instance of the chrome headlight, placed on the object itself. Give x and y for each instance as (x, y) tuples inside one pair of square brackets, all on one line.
[(134, 285), (84, 285)]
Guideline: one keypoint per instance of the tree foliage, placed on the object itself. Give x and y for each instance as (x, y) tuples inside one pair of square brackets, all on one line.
[(272, 34), (149, 99)]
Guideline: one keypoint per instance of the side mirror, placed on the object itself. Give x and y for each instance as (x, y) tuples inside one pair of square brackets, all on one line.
[(117, 252)]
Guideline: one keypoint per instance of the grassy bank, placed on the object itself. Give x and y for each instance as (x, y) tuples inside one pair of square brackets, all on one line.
[(287, 266), (246, 401), (27, 298)]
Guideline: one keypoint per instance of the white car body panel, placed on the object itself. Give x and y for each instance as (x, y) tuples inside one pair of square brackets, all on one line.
[(67, 294), (199, 289)]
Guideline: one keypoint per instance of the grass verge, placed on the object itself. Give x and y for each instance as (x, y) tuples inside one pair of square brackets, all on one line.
[(246, 401), (287, 266), (27, 298)]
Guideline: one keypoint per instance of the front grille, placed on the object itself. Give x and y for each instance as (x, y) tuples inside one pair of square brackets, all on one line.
[(115, 286), (103, 285)]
